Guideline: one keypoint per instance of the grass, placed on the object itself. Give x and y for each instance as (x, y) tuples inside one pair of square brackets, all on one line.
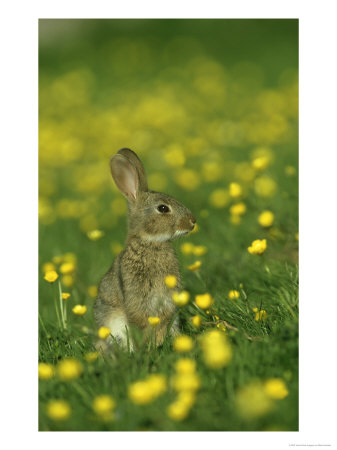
[(87, 112), (262, 350)]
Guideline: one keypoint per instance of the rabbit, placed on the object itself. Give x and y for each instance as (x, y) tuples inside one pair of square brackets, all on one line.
[(134, 287)]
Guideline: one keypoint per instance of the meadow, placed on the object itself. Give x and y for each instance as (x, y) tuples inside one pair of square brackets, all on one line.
[(211, 107)]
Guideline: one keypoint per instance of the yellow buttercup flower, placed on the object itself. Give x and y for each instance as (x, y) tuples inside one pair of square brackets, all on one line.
[(171, 281), (69, 257), (91, 356), (51, 276), (195, 266), (93, 291), (46, 371), (187, 398), (67, 280), (185, 365), (181, 298), (260, 314), (217, 352), (145, 391), (175, 156), (233, 295), (260, 163), (94, 235), (211, 171), (69, 369), (204, 301), (258, 247), (187, 248), (238, 209), (157, 383), (196, 320), (153, 321), (177, 410), (244, 171), (235, 190), (199, 250), (183, 344), (265, 186), (104, 332), (189, 381), (67, 268), (219, 198), (188, 179), (103, 404), (48, 267), (221, 327), (266, 219), (57, 259), (58, 410), (276, 388), (65, 295), (252, 401), (79, 310)]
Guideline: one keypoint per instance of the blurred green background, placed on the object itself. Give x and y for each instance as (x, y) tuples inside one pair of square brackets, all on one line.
[(204, 103)]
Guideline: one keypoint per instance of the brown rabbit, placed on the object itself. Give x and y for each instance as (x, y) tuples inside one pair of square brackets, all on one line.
[(134, 287)]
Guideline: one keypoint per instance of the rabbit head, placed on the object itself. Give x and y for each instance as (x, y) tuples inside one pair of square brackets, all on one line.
[(153, 216)]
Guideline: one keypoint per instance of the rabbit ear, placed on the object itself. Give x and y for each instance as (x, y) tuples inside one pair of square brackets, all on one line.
[(136, 162), (125, 176)]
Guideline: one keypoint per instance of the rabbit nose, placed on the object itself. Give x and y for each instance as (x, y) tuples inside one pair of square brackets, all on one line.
[(193, 221)]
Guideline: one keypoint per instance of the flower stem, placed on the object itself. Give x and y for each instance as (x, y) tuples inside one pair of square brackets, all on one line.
[(62, 307), (57, 312)]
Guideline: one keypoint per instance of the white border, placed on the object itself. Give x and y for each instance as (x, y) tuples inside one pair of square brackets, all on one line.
[(318, 225)]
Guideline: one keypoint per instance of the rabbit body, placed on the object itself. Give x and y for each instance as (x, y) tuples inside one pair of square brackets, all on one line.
[(134, 287)]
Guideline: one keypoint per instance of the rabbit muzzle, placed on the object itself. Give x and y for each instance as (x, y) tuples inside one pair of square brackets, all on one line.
[(187, 224)]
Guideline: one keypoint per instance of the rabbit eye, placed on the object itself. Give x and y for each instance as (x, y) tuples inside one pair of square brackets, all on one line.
[(163, 209)]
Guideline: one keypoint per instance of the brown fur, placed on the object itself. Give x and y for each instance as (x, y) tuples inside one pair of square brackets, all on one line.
[(134, 287)]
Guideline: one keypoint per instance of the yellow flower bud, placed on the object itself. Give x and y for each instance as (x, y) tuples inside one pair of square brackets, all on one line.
[(196, 320), (266, 219), (204, 301), (183, 344), (104, 332), (181, 298), (258, 247), (58, 410), (69, 369), (153, 321), (199, 250), (46, 371), (276, 388), (51, 276), (79, 310), (94, 235), (187, 248), (91, 356), (171, 281), (67, 268), (235, 190), (195, 266), (233, 295), (103, 404)]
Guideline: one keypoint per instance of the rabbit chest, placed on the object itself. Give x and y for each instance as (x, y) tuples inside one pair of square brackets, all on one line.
[(144, 270)]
